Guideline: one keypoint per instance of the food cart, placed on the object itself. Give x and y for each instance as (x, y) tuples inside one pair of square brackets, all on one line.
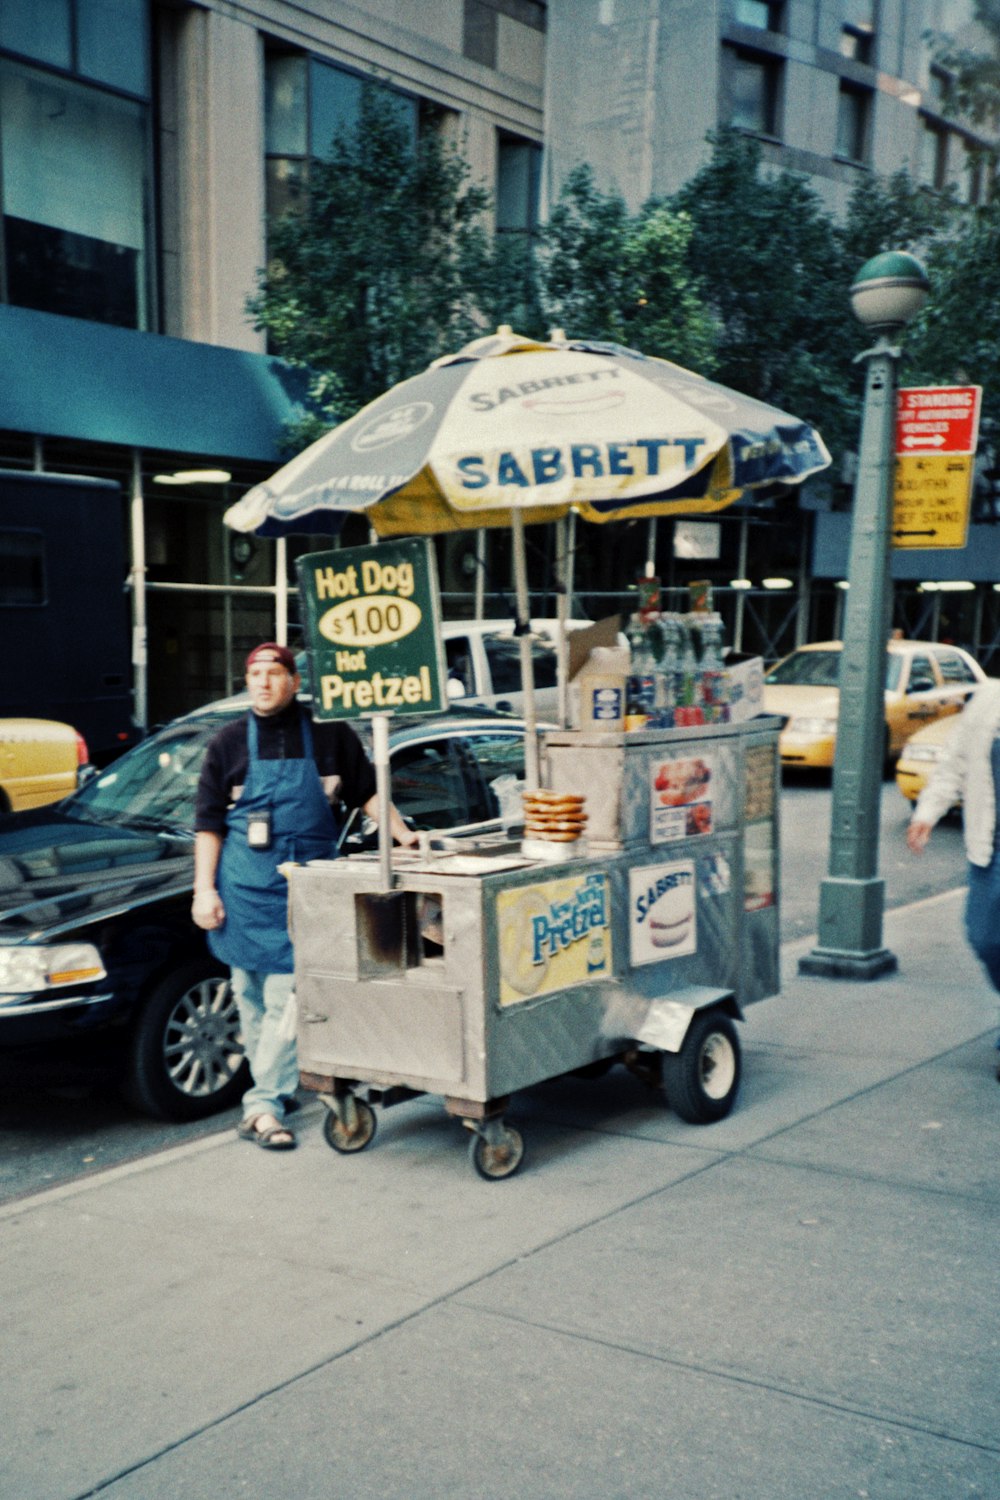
[(472, 973), (487, 969)]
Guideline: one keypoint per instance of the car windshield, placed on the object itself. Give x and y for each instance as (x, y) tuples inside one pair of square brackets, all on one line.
[(807, 669), (155, 783), (820, 669)]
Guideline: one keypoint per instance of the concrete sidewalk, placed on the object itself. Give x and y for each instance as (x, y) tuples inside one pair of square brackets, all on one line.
[(800, 1301)]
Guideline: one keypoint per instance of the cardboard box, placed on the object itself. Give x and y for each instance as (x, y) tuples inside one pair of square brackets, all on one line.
[(746, 686)]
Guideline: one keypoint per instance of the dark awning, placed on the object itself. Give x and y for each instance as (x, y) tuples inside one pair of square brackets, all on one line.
[(68, 378)]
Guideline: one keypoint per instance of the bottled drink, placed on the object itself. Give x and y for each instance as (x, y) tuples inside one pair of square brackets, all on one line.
[(714, 692)]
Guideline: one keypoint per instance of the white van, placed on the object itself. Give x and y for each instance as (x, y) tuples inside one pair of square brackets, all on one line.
[(484, 663)]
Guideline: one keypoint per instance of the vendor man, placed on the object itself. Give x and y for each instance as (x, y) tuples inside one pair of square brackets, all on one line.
[(268, 789)]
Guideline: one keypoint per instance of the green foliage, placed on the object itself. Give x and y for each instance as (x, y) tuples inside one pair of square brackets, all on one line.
[(957, 337), (382, 267), (772, 266), (625, 279), (893, 213), (974, 85)]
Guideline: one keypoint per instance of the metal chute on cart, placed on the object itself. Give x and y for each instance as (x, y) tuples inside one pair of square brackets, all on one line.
[(507, 432)]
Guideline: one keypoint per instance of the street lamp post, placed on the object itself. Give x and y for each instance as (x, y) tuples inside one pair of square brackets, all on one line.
[(889, 290)]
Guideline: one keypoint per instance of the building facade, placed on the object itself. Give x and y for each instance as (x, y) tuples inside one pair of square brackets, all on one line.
[(144, 143)]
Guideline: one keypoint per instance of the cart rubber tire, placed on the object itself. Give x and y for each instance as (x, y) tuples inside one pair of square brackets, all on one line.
[(702, 1080), (336, 1136), (496, 1162), (185, 1058)]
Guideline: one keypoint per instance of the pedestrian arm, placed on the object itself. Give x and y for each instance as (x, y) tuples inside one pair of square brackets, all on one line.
[(207, 910)]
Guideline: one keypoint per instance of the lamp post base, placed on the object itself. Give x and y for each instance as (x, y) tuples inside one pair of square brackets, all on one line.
[(850, 931), (829, 963)]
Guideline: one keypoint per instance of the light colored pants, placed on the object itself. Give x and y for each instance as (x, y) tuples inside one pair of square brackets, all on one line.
[(266, 1006)]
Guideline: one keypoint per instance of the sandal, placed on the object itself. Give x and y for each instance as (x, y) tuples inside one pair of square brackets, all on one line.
[(274, 1138)]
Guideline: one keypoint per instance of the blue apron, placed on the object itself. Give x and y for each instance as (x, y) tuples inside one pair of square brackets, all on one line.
[(254, 893)]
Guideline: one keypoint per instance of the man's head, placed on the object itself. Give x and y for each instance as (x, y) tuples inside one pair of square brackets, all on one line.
[(272, 680)]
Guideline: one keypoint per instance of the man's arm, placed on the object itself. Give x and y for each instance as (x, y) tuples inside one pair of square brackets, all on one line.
[(408, 837), (207, 910)]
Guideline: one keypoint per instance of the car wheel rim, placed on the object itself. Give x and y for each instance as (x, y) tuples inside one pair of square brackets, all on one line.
[(202, 1050), (717, 1066)]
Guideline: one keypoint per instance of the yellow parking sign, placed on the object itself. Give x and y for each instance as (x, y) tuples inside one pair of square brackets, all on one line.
[(931, 500)]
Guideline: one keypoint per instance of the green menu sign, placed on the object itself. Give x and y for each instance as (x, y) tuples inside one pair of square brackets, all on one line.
[(371, 617)]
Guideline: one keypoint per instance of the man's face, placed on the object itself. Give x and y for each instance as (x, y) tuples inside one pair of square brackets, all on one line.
[(271, 686)]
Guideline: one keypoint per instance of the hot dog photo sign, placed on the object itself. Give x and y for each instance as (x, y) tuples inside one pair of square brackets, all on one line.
[(680, 798)]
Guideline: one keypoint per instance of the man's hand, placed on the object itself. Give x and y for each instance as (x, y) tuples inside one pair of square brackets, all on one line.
[(917, 835), (207, 910)]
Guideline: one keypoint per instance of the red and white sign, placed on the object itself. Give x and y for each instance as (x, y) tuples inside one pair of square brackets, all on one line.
[(938, 419)]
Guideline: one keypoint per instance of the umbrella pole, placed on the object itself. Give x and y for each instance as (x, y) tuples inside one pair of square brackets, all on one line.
[(562, 653), (380, 756), (523, 631)]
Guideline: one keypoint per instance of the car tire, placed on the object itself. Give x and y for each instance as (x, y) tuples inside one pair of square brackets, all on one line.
[(185, 1056)]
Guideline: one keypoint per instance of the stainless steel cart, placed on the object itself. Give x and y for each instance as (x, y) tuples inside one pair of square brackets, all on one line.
[(483, 970)]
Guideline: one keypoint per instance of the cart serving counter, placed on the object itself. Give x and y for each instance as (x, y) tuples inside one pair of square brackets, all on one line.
[(485, 970)]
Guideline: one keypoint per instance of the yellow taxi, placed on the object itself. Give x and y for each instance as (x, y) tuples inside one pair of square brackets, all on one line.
[(40, 761), (920, 755), (924, 681)]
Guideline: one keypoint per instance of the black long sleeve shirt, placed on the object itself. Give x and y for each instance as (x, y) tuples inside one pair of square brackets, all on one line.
[(347, 773)]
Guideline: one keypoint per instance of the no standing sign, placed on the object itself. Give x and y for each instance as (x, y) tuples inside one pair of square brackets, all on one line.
[(937, 428)]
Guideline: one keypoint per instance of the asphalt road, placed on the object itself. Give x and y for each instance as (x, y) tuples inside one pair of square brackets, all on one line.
[(47, 1138)]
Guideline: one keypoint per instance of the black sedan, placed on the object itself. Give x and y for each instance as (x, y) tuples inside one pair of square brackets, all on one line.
[(102, 973)]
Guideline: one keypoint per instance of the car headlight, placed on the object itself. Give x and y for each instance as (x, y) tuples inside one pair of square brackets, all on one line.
[(813, 726), (922, 752), (25, 970)]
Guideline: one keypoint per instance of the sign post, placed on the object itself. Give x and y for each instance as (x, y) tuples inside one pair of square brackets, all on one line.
[(371, 619), (937, 429)]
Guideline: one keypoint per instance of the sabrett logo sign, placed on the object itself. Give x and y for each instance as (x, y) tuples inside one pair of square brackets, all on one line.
[(639, 457)]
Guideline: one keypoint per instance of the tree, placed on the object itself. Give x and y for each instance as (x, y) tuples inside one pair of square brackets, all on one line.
[(893, 213), (627, 279), (974, 73), (382, 268), (773, 272)]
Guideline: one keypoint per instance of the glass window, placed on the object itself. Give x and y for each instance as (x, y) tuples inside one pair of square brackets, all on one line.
[(519, 165), (42, 29), (22, 568), (479, 32), (807, 668), (857, 43), (285, 105), (458, 652), (934, 155), (334, 105), (112, 44), (494, 755), (106, 40), (753, 84), (921, 675), (74, 198), (954, 668), (428, 786), (764, 14), (852, 123)]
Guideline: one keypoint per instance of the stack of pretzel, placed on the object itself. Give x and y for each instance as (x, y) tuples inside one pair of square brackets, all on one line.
[(556, 817)]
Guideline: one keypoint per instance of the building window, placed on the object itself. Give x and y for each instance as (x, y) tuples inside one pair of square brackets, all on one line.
[(75, 198), (479, 33), (753, 84), (852, 123), (857, 43), (307, 104), (934, 155), (519, 172), (106, 41), (764, 15)]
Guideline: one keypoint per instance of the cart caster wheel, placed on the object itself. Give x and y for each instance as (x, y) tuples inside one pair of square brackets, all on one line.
[(495, 1160), (702, 1080), (337, 1135)]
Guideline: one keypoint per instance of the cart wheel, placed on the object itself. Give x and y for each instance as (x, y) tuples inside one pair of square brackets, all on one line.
[(702, 1080), (494, 1160), (345, 1141)]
